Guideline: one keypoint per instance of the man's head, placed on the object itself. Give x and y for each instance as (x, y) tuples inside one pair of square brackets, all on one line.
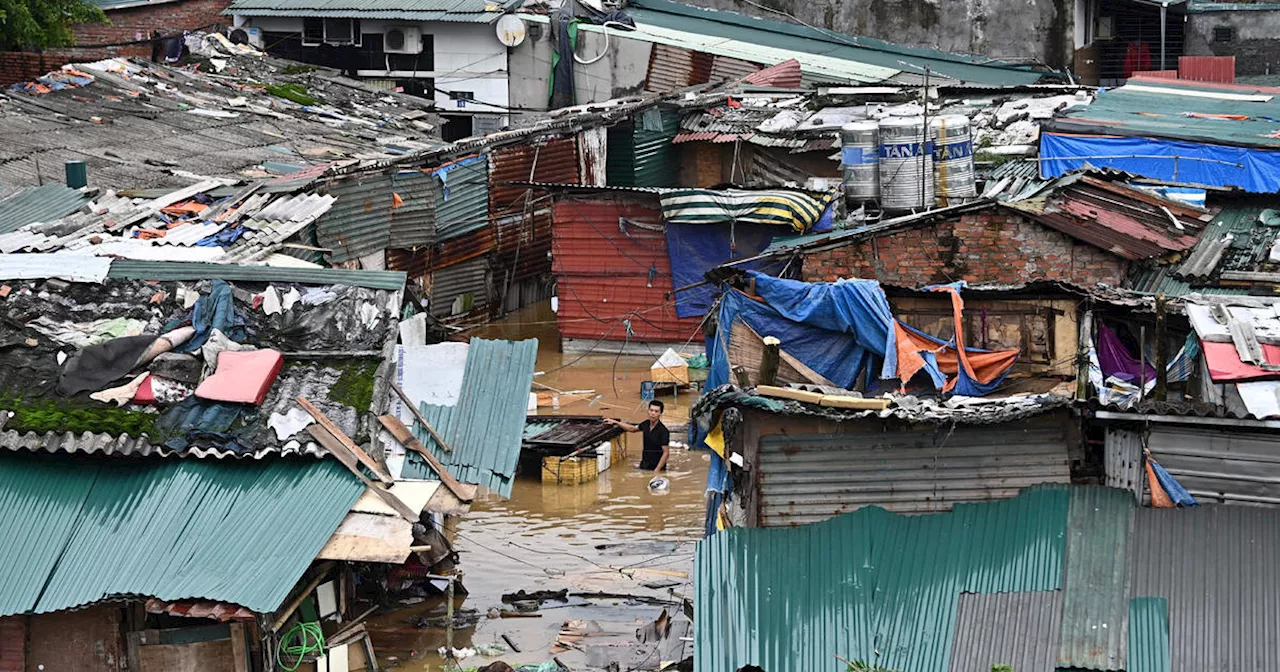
[(655, 410)]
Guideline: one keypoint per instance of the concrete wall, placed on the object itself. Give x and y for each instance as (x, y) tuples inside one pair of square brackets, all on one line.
[(1042, 29), (1255, 44), (469, 57), (621, 72), (989, 246)]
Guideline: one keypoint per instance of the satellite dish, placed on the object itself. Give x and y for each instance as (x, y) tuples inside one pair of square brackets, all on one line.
[(511, 30)]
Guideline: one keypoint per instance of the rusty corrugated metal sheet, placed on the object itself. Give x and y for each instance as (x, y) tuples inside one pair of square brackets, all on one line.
[(555, 161), (731, 69), (1208, 68), (605, 275), (416, 262), (363, 218), (672, 68), (467, 279), (524, 245)]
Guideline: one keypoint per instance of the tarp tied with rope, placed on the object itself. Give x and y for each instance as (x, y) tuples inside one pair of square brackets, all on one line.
[(797, 210)]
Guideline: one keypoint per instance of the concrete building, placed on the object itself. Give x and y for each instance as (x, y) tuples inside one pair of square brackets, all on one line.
[(445, 51)]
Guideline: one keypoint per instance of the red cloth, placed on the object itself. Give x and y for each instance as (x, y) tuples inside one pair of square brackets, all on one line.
[(145, 395), (1225, 365), (242, 377), (1137, 56)]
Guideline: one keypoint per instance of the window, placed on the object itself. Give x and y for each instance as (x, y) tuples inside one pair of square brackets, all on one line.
[(312, 32), (341, 31), (1224, 34)]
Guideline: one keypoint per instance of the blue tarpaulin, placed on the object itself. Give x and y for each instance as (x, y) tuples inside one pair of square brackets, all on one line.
[(1252, 169), (695, 249)]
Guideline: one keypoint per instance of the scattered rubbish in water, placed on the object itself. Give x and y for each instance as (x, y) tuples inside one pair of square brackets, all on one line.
[(536, 596), (659, 484)]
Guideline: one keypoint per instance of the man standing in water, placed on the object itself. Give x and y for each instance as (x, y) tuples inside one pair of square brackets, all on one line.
[(656, 438)]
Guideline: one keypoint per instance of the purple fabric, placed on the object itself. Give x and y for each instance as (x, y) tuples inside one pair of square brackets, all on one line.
[(1116, 360)]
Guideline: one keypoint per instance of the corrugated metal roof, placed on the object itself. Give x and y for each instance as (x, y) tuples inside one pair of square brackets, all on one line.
[(458, 11), (868, 585), (819, 52), (486, 426), (1149, 635), (1095, 609), (1015, 629), (462, 201), (176, 270), (39, 204), (1219, 567), (71, 267), (804, 478), (1236, 240), (82, 530)]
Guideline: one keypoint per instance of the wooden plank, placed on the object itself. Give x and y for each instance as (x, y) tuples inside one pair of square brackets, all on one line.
[(239, 652), (367, 537), (788, 393), (405, 437), (421, 420), (346, 441), (340, 451), (859, 403)]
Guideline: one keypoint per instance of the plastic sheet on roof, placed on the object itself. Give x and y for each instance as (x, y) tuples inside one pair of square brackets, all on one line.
[(1252, 169)]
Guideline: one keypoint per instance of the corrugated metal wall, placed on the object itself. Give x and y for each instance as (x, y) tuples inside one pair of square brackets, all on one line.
[(460, 280), (605, 274), (672, 68), (524, 245), (620, 149), (1123, 460), (1208, 68), (462, 198), (731, 69), (805, 478), (654, 157), (1020, 630), (553, 161), (1219, 465), (360, 221), (1220, 568), (1095, 607)]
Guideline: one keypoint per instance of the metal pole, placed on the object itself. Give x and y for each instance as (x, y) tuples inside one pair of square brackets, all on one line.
[(1164, 8), (924, 144)]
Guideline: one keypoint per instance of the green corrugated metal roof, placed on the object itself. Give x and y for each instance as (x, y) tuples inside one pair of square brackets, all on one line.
[(129, 269), (79, 530), (1149, 635), (1159, 109), (458, 11), (654, 157), (486, 427), (804, 39), (39, 204), (868, 585), (1095, 606)]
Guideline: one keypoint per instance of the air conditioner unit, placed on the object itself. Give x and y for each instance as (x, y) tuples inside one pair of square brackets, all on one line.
[(402, 40)]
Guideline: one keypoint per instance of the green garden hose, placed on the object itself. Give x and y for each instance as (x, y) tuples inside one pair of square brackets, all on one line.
[(309, 639)]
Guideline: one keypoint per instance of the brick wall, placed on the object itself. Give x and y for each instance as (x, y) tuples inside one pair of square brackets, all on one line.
[(127, 25), (990, 246)]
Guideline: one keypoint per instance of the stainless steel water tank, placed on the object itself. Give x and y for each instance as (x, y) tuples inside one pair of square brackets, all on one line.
[(906, 164)]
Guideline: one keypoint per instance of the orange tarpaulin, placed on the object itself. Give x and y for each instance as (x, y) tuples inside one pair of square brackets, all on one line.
[(983, 367)]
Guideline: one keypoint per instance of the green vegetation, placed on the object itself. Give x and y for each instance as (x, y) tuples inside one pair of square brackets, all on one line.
[(41, 24), (864, 666), (298, 69), (995, 160), (295, 92), (1001, 668), (64, 415), (355, 386)]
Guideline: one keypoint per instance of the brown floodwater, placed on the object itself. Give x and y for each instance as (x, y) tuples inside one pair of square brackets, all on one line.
[(611, 536)]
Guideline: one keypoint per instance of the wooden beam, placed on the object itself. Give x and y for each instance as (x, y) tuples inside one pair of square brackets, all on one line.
[(769, 360), (421, 420), (406, 438), (335, 446), (297, 600), (351, 446)]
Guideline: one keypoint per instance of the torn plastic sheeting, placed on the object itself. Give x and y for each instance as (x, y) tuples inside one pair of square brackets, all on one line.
[(429, 374), (354, 319)]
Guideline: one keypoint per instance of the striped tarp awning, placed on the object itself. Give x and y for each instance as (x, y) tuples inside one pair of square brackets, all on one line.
[(794, 209)]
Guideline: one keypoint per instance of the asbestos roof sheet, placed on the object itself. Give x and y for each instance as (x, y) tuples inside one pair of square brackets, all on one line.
[(460, 11), (83, 530), (485, 427), (869, 585), (39, 204), (73, 268), (819, 52)]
